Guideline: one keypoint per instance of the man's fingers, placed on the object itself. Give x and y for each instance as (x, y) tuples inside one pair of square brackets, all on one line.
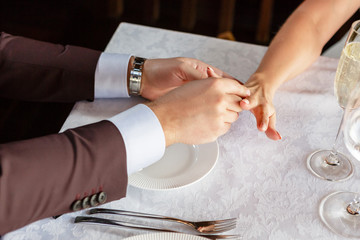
[(225, 129), (245, 104), (233, 103), (249, 103), (218, 72), (231, 116), (193, 71), (234, 87), (223, 74), (212, 73)]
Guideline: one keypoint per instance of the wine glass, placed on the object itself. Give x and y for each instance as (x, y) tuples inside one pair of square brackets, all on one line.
[(340, 211), (331, 164)]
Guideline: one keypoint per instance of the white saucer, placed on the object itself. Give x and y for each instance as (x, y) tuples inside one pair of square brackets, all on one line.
[(181, 165)]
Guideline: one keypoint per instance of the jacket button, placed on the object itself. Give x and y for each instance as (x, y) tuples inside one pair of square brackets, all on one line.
[(101, 198), (76, 206), (85, 203), (93, 200)]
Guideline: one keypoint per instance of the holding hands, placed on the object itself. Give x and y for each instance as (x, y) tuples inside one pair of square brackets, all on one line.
[(202, 110), (259, 102), (199, 111)]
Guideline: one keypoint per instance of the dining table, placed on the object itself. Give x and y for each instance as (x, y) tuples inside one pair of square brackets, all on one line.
[(265, 184)]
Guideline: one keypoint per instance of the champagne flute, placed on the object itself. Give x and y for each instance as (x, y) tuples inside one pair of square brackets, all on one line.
[(340, 211), (331, 164)]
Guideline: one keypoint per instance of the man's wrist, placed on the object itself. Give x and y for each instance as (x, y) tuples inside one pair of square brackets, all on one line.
[(167, 125), (140, 129), (111, 76)]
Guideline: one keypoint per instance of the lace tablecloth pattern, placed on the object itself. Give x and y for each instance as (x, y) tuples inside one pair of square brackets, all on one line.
[(265, 184)]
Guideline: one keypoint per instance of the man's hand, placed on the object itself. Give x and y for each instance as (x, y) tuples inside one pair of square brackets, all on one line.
[(199, 111), (163, 75)]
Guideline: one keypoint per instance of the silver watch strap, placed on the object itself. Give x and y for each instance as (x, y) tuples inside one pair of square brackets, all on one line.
[(135, 76)]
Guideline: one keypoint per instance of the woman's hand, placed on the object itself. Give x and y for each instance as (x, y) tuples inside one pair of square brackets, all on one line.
[(260, 104), (163, 75)]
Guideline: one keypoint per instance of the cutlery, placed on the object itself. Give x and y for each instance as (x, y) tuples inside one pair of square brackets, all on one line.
[(81, 219), (215, 226)]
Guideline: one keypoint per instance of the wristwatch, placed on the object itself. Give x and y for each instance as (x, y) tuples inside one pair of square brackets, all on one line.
[(135, 76)]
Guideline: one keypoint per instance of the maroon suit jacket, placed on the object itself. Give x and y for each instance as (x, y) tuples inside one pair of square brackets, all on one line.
[(54, 174)]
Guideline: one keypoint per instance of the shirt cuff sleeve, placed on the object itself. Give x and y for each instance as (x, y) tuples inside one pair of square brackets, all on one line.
[(143, 136), (111, 76)]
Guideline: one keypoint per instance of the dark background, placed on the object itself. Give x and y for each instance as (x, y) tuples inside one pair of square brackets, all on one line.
[(91, 23)]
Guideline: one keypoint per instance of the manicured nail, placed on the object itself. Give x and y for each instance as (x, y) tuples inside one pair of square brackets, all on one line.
[(212, 70), (245, 101), (248, 92), (279, 135)]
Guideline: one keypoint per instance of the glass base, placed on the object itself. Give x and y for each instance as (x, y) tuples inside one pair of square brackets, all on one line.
[(333, 212), (317, 164)]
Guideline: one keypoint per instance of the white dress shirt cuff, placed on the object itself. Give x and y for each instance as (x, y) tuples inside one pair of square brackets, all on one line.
[(111, 76), (143, 136)]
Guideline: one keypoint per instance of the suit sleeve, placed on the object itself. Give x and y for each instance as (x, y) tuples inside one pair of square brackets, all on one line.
[(46, 176), (59, 173), (32, 70)]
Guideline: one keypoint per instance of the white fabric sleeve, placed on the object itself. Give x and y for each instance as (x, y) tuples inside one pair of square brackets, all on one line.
[(111, 76), (143, 136)]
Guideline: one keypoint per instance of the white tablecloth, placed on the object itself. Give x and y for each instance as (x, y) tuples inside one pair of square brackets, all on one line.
[(265, 184)]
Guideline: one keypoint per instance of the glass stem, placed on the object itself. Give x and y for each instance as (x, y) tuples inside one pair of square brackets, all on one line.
[(332, 159)]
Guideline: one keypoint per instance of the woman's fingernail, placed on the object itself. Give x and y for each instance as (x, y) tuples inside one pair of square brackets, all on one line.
[(248, 92), (279, 135), (245, 101), (212, 70), (263, 127)]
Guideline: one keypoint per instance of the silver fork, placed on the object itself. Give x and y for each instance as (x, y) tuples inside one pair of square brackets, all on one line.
[(118, 223), (215, 226)]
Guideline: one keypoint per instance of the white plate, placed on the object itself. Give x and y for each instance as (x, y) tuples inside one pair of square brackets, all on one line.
[(181, 165), (165, 236)]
